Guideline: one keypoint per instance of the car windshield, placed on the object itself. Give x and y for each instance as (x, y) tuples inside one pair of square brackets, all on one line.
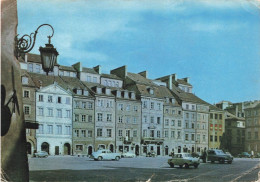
[(219, 152)]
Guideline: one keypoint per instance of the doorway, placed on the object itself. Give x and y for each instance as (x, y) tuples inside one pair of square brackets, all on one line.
[(137, 150), (45, 147), (89, 150), (158, 150), (66, 149), (57, 150)]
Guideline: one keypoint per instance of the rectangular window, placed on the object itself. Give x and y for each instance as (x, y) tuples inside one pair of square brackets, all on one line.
[(187, 115), (173, 112), (179, 135), (187, 106), (59, 129), (158, 120), (109, 117), (90, 105), (173, 123), (83, 118), (30, 67), (145, 104), (83, 133), (216, 138), (193, 107), (50, 112), (158, 134), (204, 138), (89, 133), (77, 104), (79, 91), (134, 120), (145, 119), (79, 147), (256, 135), (166, 122), (109, 132), (59, 113), (144, 133), (127, 119), (120, 119), (26, 94), (40, 130), (120, 107), (120, 133), (76, 118), (192, 137), (151, 133), (198, 137), (37, 68), (59, 100), (26, 110), (90, 118), (159, 106), (67, 100), (166, 134), (179, 123), (166, 110), (84, 105), (68, 130), (100, 117), (49, 98), (76, 132), (40, 98), (95, 79), (152, 105), (99, 132), (211, 116), (172, 134), (211, 138), (220, 116), (152, 119), (135, 108), (88, 78), (216, 116), (24, 80), (67, 113), (49, 129), (186, 137), (135, 133), (128, 108), (40, 111)]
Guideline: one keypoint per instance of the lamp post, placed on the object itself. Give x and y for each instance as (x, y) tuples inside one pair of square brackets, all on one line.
[(48, 53)]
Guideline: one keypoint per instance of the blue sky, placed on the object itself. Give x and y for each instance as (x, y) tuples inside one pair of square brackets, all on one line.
[(216, 44)]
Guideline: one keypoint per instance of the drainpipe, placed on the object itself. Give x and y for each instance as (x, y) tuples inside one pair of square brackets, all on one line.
[(72, 113)]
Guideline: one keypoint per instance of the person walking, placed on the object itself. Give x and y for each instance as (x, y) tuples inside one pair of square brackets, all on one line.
[(252, 154)]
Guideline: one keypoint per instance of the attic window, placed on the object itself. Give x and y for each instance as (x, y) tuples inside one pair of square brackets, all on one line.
[(167, 100), (79, 91), (85, 92), (151, 91), (24, 80)]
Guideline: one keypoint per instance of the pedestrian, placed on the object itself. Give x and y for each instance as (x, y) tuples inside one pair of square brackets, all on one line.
[(252, 154), (204, 156)]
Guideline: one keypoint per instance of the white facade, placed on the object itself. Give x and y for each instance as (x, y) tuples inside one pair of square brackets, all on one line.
[(54, 114)]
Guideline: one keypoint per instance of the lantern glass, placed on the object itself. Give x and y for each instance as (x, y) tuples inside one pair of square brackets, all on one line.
[(48, 57)]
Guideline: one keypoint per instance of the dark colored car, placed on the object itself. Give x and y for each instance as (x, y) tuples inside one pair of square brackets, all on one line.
[(218, 155), (244, 154)]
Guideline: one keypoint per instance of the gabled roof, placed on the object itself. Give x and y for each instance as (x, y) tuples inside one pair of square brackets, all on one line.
[(34, 58), (232, 116), (214, 108), (140, 79), (30, 81)]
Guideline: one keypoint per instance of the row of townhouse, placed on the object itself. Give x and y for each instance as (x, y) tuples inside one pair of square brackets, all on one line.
[(80, 110)]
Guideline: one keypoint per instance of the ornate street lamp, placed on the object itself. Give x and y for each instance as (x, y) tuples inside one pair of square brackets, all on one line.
[(48, 53)]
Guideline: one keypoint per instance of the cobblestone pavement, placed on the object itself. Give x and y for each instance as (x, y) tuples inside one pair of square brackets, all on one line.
[(72, 168)]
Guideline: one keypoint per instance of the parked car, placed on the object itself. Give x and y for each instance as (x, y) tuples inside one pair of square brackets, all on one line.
[(41, 154), (244, 154), (183, 160), (257, 155), (218, 155), (230, 155), (128, 154), (151, 154), (105, 155)]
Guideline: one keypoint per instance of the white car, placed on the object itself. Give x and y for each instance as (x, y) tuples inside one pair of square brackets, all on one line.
[(183, 160), (41, 154), (105, 155), (128, 154)]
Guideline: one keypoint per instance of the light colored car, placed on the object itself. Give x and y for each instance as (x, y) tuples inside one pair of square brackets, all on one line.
[(128, 154), (183, 160), (105, 155), (41, 154)]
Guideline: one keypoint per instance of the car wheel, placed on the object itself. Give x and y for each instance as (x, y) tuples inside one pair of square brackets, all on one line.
[(172, 165), (196, 165), (100, 158), (186, 165), (117, 158), (180, 166), (222, 161), (229, 162), (212, 161)]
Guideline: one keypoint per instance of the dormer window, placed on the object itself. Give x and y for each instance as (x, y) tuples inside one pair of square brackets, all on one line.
[(108, 91), (126, 95), (167, 100), (98, 90), (151, 91), (85, 92), (79, 91), (173, 101), (132, 95), (118, 93), (24, 80)]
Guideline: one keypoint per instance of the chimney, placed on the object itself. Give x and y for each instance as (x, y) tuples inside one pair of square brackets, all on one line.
[(175, 76), (121, 72), (144, 74), (77, 67), (170, 82), (97, 69), (187, 79)]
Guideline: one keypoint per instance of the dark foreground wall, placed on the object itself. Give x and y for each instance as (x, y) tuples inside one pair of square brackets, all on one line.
[(14, 161)]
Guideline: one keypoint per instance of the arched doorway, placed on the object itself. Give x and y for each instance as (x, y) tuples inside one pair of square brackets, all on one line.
[(111, 147), (137, 150), (179, 149), (66, 149), (166, 150), (89, 150), (45, 147), (29, 147)]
